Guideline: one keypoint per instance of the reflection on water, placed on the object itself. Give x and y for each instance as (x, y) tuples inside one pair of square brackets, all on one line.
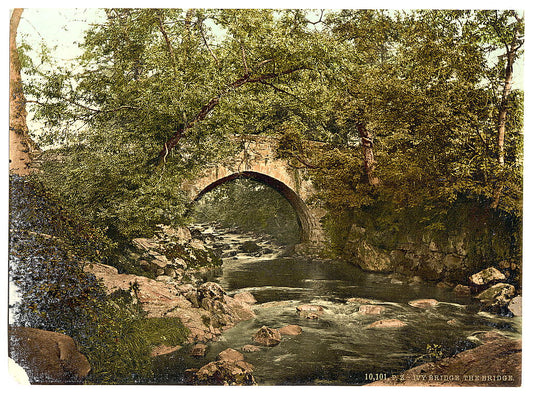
[(338, 348)]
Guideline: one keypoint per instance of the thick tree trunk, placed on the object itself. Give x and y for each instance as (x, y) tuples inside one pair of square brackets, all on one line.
[(21, 147), (369, 163)]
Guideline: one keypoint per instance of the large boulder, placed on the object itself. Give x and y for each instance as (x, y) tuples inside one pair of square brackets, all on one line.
[(245, 297), (229, 369), (47, 357), (486, 277), (180, 233), (238, 310), (205, 311), (267, 336), (496, 298)]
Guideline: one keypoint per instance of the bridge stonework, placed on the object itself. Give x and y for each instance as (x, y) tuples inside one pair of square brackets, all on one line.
[(257, 161)]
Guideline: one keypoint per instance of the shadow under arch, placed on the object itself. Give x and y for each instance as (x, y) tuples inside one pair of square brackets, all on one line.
[(302, 211)]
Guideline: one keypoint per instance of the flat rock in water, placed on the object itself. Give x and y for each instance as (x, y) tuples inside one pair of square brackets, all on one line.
[(371, 309), (358, 300), (290, 330), (273, 304), (309, 311), (423, 303), (230, 355), (387, 323), (250, 348), (309, 308)]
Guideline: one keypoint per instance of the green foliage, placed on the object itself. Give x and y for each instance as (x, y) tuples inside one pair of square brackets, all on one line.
[(146, 73), (428, 85), (113, 191), (47, 252), (433, 353), (425, 85), (119, 353)]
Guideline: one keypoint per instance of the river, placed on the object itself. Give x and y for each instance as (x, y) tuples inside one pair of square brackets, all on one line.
[(338, 348)]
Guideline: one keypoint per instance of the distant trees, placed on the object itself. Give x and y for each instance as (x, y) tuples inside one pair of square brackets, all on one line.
[(250, 206)]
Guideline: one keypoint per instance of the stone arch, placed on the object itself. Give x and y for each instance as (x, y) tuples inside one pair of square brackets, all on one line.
[(306, 220)]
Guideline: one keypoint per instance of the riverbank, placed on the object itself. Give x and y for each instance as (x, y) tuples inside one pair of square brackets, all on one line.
[(496, 363), (349, 336)]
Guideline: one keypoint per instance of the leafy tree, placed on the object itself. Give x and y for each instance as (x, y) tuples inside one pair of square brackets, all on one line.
[(419, 97), (411, 103), (155, 97)]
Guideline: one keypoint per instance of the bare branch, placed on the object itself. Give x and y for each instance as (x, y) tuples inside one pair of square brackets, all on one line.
[(167, 41), (319, 19), (207, 44)]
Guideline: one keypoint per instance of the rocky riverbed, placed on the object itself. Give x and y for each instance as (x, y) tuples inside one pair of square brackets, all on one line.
[(253, 314), (333, 311)]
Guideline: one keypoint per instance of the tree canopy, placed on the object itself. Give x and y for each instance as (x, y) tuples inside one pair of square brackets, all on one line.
[(417, 106)]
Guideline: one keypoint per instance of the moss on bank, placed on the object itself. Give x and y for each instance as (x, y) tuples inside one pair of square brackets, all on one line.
[(467, 234)]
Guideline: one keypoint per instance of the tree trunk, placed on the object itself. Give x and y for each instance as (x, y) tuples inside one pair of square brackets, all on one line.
[(502, 116), (21, 147), (369, 163)]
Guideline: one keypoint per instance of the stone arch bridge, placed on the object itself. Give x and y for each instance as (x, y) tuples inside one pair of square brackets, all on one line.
[(257, 161)]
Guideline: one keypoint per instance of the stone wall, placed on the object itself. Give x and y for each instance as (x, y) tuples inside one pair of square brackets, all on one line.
[(450, 257)]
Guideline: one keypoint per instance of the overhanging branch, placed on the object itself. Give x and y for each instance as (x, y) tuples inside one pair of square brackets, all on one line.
[(213, 102)]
